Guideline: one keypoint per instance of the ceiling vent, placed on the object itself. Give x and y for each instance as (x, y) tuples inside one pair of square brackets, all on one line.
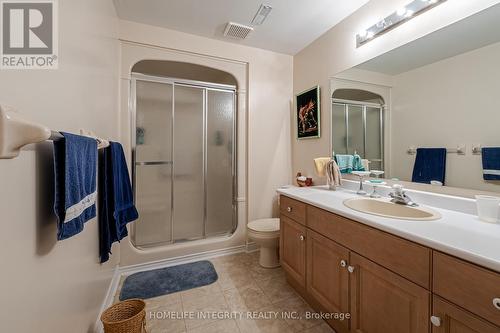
[(261, 14), (236, 30)]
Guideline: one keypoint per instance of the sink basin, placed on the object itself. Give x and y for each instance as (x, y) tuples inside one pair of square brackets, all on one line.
[(388, 209)]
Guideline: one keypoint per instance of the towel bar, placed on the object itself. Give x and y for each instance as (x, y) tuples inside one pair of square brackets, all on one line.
[(460, 150), (476, 150), (16, 131)]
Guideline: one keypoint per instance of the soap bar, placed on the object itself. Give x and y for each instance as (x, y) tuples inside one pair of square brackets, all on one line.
[(376, 181)]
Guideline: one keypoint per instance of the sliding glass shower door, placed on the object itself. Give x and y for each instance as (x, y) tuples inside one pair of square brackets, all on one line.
[(357, 128), (183, 160)]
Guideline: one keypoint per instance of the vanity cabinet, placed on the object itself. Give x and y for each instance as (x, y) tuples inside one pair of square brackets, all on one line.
[(448, 318), (293, 249), (469, 286), (382, 301), (327, 279), (386, 283)]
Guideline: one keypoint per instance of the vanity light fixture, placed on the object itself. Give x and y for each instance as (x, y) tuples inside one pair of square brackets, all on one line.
[(400, 16)]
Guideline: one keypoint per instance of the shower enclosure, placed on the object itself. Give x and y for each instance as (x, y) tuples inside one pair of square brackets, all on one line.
[(357, 127), (183, 159)]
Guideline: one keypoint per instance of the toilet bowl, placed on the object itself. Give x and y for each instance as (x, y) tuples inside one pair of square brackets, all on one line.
[(266, 233)]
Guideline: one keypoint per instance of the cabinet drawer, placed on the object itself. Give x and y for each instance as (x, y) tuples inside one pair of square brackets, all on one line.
[(294, 209), (469, 286), (454, 319), (411, 260)]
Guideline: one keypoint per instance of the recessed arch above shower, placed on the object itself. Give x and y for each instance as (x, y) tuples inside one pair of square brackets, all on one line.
[(185, 71)]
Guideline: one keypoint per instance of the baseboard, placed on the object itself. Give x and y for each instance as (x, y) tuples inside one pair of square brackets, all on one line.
[(252, 247), (127, 270)]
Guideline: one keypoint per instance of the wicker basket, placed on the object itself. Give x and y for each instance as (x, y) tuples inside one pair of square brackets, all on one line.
[(125, 317)]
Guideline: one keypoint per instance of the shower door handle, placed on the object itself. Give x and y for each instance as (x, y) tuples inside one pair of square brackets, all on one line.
[(154, 163)]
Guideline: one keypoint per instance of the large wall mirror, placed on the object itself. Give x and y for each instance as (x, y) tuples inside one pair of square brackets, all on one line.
[(437, 112)]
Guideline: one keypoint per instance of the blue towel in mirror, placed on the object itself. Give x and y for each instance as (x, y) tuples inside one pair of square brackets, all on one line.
[(75, 164), (345, 162), (357, 164), (116, 200), (430, 164), (491, 163)]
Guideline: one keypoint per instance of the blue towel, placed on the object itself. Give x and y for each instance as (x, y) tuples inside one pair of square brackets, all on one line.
[(116, 200), (357, 165), (345, 163), (430, 164), (75, 163), (491, 163)]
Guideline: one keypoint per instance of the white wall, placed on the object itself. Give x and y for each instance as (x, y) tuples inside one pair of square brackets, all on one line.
[(445, 104), (50, 286), (335, 51), (268, 89)]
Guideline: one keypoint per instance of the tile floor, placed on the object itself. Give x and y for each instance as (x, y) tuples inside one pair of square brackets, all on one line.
[(243, 287)]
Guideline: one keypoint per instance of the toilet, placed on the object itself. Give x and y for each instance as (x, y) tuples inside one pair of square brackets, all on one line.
[(266, 233)]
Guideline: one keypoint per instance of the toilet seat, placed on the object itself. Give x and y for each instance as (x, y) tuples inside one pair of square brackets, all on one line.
[(265, 225)]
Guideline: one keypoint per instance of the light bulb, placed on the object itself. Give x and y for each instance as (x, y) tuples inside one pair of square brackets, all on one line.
[(409, 13), (370, 34), (363, 33)]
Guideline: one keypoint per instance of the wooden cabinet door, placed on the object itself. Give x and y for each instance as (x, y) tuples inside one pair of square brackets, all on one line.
[(327, 275), (293, 249), (448, 318), (383, 302)]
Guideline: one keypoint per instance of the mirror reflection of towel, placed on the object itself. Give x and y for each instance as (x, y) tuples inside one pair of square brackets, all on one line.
[(491, 163), (430, 164), (345, 162)]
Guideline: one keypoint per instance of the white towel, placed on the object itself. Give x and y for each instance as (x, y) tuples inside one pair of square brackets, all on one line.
[(333, 175)]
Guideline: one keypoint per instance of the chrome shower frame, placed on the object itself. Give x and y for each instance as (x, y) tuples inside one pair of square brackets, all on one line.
[(206, 86)]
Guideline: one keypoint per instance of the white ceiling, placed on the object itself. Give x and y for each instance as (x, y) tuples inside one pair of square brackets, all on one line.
[(471, 33), (291, 25)]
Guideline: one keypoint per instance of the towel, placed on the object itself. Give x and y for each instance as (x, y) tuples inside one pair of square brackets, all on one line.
[(491, 163), (75, 164), (430, 164), (357, 163), (333, 174), (320, 165), (345, 162), (116, 201)]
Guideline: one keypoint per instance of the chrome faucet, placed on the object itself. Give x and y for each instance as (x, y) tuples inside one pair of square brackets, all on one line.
[(399, 196)]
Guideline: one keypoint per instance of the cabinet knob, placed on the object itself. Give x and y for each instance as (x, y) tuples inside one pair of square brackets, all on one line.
[(436, 321), (496, 303), (350, 269), (343, 263), (289, 209), (302, 237)]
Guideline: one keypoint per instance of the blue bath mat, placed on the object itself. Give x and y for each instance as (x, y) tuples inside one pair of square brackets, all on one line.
[(168, 280)]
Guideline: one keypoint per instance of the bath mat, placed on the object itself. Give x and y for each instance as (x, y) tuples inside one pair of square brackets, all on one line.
[(168, 280)]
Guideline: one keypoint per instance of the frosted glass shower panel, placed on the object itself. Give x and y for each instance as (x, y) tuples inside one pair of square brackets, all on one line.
[(188, 154), (153, 121), (219, 182), (154, 203)]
